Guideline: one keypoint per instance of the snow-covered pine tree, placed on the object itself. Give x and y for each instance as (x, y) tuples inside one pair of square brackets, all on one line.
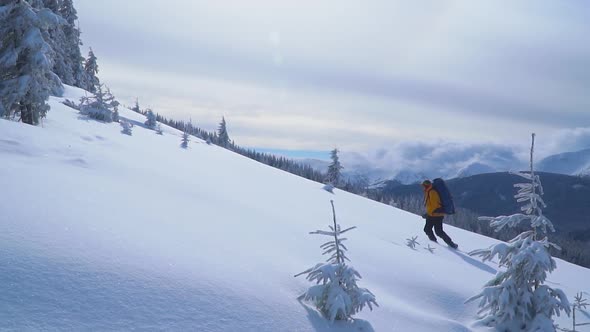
[(26, 79), (53, 5), (150, 119), (185, 140), (51, 25), (336, 293), (334, 169), (72, 44), (37, 4), (223, 136), (136, 107), (159, 130), (101, 106), (56, 38), (91, 69), (127, 127), (113, 104), (516, 299)]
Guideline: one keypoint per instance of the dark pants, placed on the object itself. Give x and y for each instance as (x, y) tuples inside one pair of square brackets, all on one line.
[(437, 224)]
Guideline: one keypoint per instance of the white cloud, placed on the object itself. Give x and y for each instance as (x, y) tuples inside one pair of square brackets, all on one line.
[(313, 75), (566, 140), (437, 159)]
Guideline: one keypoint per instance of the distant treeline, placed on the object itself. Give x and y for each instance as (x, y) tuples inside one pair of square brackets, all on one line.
[(281, 163)]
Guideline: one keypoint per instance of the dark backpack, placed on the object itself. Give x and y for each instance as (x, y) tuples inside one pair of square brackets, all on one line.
[(446, 200)]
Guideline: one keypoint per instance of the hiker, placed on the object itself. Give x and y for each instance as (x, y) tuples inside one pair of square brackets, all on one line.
[(434, 215)]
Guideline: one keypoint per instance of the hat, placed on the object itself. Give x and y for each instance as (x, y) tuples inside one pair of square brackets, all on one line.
[(426, 183)]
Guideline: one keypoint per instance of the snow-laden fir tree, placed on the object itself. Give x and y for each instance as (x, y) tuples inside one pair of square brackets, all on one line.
[(334, 169), (517, 299), (185, 140), (150, 119), (127, 127), (222, 134), (57, 39), (50, 31), (52, 5), (91, 69), (72, 44), (136, 107), (26, 79), (101, 106), (113, 103), (336, 293), (159, 130)]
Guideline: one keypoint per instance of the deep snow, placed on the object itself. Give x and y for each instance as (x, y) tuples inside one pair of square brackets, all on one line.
[(105, 231)]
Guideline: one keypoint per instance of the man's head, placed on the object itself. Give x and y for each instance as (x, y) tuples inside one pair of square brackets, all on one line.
[(426, 184)]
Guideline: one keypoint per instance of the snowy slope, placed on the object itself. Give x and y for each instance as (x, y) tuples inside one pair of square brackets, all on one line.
[(104, 231)]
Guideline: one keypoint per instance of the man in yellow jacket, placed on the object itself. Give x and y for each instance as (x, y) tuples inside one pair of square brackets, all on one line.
[(434, 215)]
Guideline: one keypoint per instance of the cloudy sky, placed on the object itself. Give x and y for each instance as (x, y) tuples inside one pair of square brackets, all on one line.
[(360, 75)]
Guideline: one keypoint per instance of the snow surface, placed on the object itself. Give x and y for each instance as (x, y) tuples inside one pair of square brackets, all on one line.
[(105, 231)]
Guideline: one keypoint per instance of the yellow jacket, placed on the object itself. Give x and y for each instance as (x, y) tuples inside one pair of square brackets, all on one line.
[(432, 202)]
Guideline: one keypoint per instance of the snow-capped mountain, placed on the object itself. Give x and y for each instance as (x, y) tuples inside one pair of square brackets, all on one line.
[(474, 169), (570, 163), (351, 172), (449, 166), (410, 177), (405, 176), (101, 231), (413, 162)]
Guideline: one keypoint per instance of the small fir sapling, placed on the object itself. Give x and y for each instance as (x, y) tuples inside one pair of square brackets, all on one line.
[(336, 293), (101, 106), (516, 299), (126, 125), (185, 140), (334, 174), (135, 107), (150, 121), (223, 134), (580, 304)]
